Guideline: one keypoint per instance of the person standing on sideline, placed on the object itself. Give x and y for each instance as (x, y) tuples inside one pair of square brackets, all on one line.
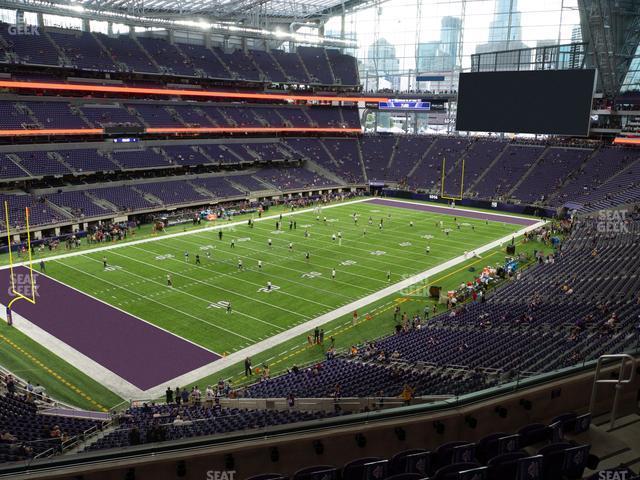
[(355, 318), (247, 367), (316, 335), (321, 336), (43, 269)]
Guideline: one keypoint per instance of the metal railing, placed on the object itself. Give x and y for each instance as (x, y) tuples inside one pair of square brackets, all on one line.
[(618, 382)]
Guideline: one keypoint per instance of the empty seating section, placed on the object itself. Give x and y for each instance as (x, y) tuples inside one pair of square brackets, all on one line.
[(478, 158), (55, 115), (220, 187), (346, 156), (376, 154), (9, 169), (40, 212), (503, 175), (409, 152), (167, 56), (292, 178), (342, 66), (428, 175), (127, 53), (172, 192), (317, 64), (156, 115), (205, 61), (86, 160), (185, 155), (82, 50), (268, 65), (292, 65), (40, 163), (136, 159), (99, 52), (30, 113), (547, 176), (104, 115), (239, 63), (13, 117), (77, 203), (248, 183), (124, 198), (601, 165), (326, 116), (32, 49)]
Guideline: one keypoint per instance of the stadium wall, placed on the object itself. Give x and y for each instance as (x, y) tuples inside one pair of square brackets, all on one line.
[(537, 211)]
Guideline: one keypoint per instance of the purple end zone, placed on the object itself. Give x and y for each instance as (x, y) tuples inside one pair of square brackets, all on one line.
[(460, 213), (137, 351)]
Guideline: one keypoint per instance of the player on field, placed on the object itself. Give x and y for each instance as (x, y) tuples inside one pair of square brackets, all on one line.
[(228, 307), (306, 256), (186, 256), (208, 254), (219, 234), (104, 262), (240, 264), (428, 249), (411, 223), (42, 266), (290, 246), (333, 273), (233, 243), (333, 237), (197, 259), (268, 286), (306, 233), (388, 275), (259, 264), (169, 280), (269, 243)]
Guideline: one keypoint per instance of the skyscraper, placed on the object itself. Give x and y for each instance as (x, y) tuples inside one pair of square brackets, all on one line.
[(505, 33)]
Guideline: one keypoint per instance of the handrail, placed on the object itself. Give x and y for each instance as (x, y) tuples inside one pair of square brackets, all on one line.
[(618, 382)]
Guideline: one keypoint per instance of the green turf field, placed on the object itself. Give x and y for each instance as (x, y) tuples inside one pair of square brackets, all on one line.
[(136, 281), (194, 308)]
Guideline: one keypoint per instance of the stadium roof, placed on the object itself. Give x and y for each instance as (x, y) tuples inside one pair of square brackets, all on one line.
[(218, 9)]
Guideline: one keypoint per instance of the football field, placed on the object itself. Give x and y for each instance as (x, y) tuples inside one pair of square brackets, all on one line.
[(252, 284)]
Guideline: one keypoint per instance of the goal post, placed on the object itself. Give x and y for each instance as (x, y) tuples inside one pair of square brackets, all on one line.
[(444, 173), (23, 288)]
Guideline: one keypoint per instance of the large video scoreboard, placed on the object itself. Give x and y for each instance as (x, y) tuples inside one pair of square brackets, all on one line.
[(542, 102)]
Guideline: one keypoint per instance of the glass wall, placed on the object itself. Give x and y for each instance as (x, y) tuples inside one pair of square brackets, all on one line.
[(399, 40)]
